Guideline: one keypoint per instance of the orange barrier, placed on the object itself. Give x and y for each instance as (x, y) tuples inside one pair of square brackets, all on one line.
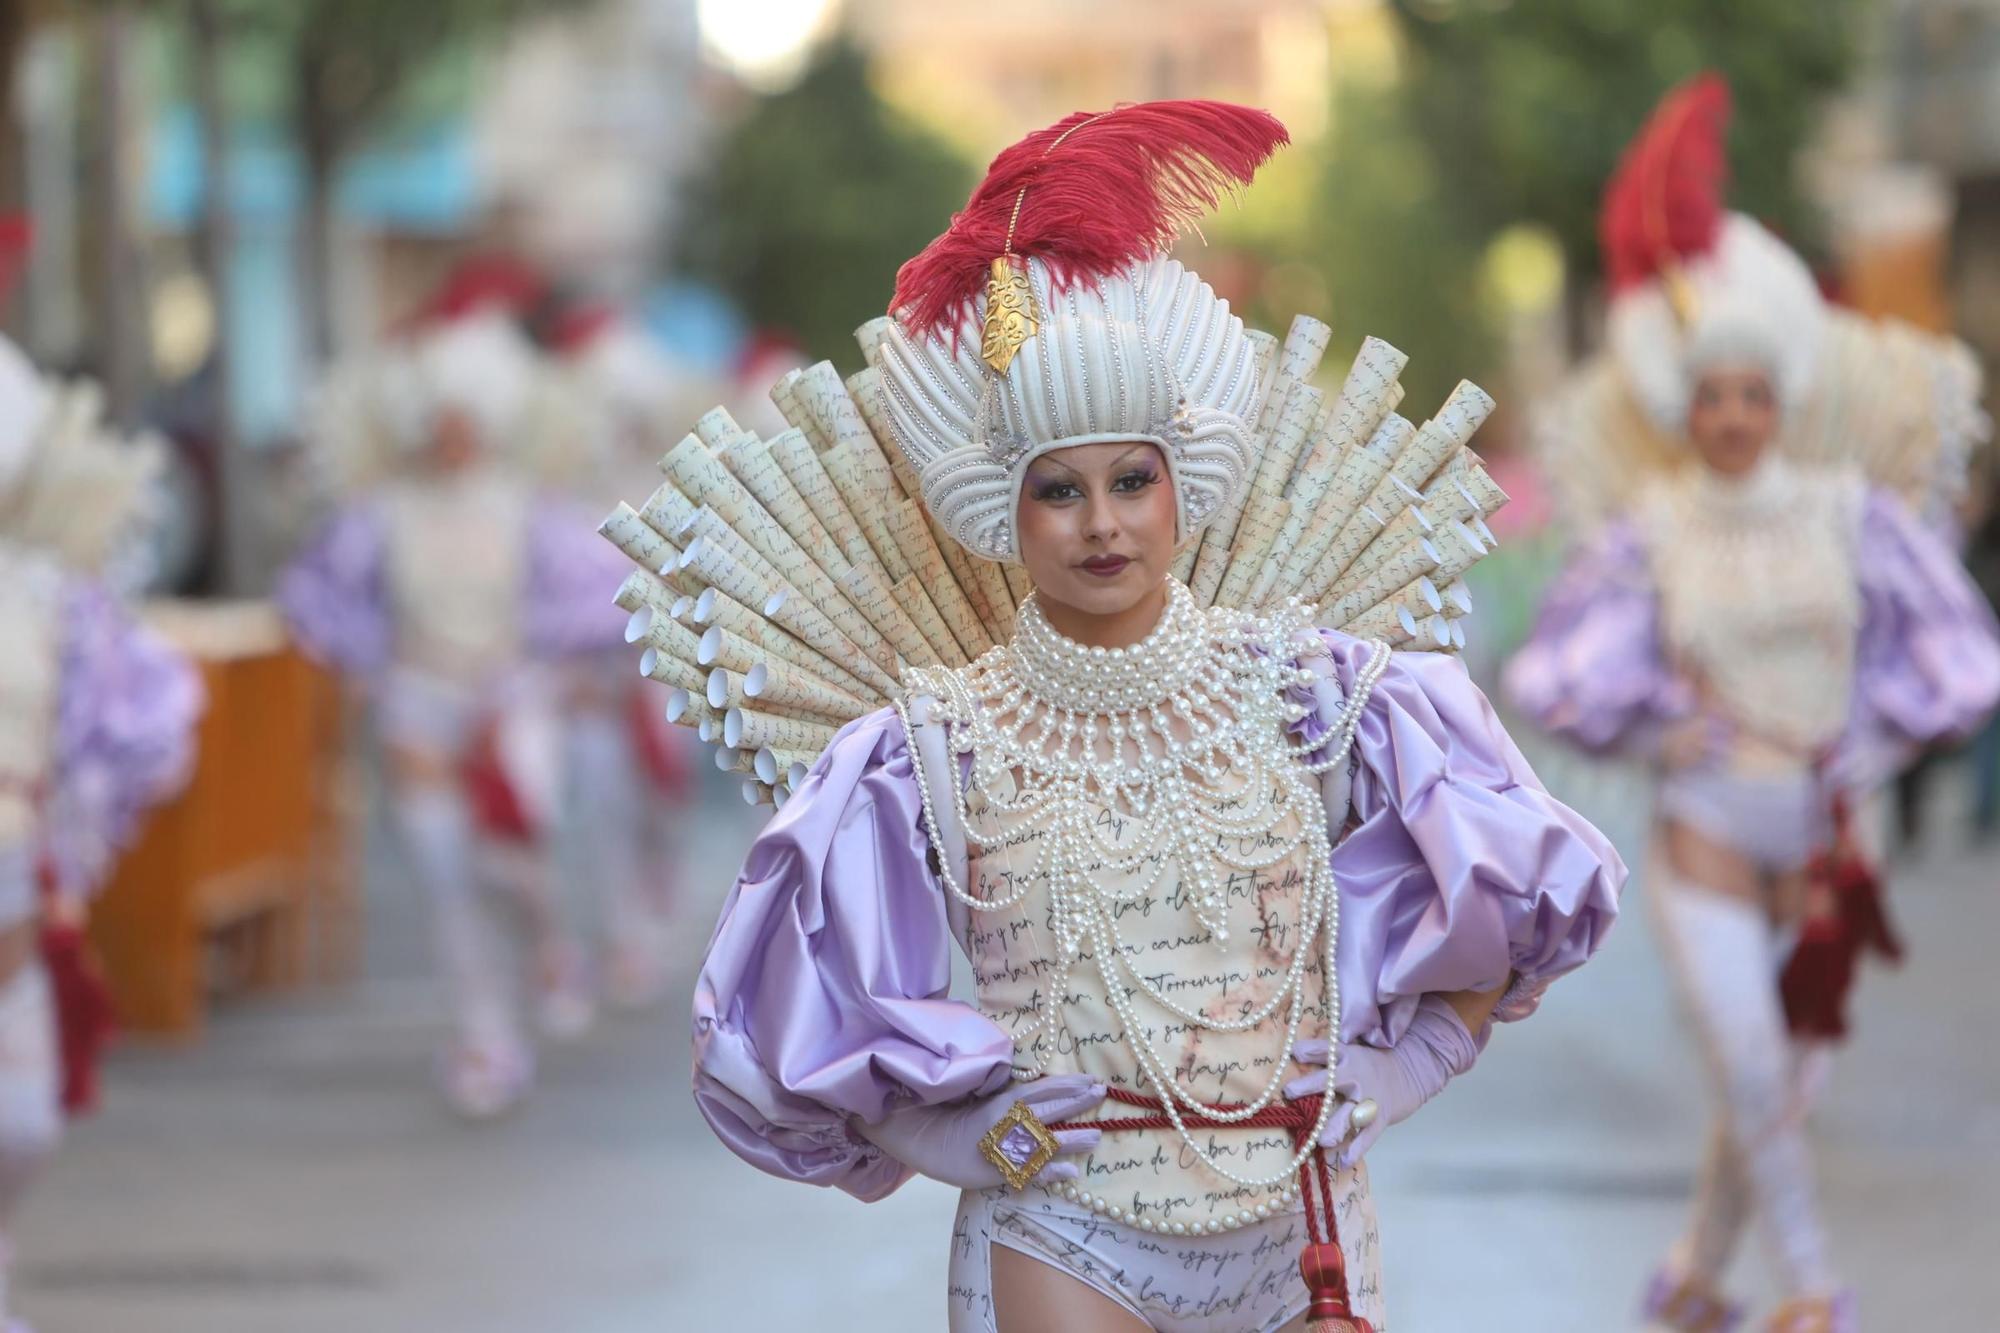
[(243, 882)]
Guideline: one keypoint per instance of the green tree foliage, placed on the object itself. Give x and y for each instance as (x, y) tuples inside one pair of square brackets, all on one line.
[(1525, 104), (814, 199)]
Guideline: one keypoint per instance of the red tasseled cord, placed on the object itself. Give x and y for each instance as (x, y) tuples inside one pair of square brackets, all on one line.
[(1121, 186), (84, 1020), (1664, 202), (1848, 917)]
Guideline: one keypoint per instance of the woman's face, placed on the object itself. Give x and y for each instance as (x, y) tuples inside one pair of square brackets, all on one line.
[(1732, 417), (1096, 525), (455, 443)]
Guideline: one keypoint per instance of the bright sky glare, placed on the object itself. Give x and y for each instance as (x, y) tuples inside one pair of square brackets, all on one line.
[(763, 41)]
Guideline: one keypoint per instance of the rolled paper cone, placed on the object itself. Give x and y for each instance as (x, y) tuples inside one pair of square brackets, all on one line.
[(707, 481), (719, 647), (1267, 589), (1296, 361), (670, 638), (716, 427), (865, 501), (865, 387), (1388, 622), (1295, 425), (1254, 540), (1354, 478), (725, 690), (785, 395), (1436, 629), (792, 763), (768, 770), (809, 478), (776, 682), (668, 509), (796, 772), (877, 601), (709, 728), (710, 537), (670, 670), (923, 612), (959, 563), (1461, 548), (842, 652), (754, 729), (913, 537), (751, 462), (1401, 532), (759, 793), (638, 539), (1457, 599), (1361, 529), (1478, 525), (688, 707), (1368, 394), (779, 645), (716, 607), (1400, 571), (1018, 582), (1184, 563), (643, 589), (1479, 484), (993, 589), (1463, 413), (870, 336), (1446, 499), (827, 394), (1457, 644), (731, 760)]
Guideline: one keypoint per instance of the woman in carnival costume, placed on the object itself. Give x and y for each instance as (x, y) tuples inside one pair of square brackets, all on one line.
[(97, 721), (1774, 631), (1238, 891), (452, 582)]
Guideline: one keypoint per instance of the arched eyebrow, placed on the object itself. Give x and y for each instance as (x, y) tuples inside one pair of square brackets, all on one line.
[(1138, 447)]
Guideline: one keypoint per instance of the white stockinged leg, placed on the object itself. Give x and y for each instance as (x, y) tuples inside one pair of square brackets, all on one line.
[(488, 1070), (1720, 949), (30, 1099)]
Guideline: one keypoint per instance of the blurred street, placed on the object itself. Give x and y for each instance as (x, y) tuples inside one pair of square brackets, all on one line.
[(297, 1173)]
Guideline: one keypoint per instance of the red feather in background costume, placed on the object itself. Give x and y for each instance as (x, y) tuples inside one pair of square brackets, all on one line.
[(1665, 200), (1103, 189)]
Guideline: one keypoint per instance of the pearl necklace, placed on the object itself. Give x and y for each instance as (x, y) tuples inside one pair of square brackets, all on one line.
[(1160, 732)]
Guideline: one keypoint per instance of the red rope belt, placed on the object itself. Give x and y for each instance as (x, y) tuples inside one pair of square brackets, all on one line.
[(1321, 1263)]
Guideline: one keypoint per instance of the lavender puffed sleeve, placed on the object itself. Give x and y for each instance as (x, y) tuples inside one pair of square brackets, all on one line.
[(1458, 870), (1927, 661), (124, 739), (1594, 670), (335, 593), (823, 996), (572, 575)]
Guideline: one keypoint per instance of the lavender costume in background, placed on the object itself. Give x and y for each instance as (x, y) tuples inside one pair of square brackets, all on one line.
[(453, 590), (97, 723), (1768, 630)]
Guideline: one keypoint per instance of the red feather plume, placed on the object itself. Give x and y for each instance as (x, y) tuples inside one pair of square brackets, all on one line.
[(1664, 202), (1102, 189)]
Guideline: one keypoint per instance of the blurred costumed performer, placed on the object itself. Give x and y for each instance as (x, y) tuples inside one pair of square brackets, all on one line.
[(1773, 630), (97, 718), (1159, 815), (451, 583), (631, 770)]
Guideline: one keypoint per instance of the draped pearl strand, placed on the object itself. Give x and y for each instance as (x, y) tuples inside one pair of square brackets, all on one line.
[(1161, 732)]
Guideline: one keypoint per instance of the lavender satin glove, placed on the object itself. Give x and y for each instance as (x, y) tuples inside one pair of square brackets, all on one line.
[(1434, 1049), (942, 1142)]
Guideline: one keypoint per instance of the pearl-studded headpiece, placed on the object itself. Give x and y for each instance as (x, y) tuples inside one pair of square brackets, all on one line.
[(1151, 353)]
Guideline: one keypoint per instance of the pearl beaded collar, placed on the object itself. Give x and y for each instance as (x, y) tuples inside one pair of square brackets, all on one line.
[(1187, 735)]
